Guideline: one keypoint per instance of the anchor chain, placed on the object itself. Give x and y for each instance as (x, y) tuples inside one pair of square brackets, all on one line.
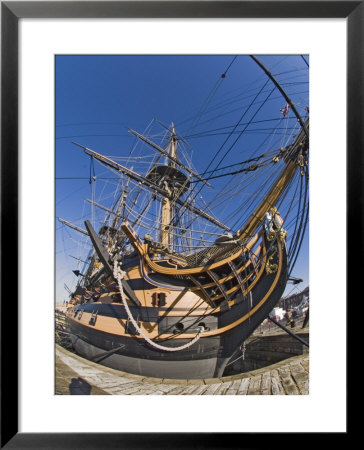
[(119, 275)]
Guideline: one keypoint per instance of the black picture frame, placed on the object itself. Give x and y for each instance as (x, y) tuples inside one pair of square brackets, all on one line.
[(11, 12)]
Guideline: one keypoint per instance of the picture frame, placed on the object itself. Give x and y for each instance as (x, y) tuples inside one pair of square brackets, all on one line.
[(11, 12)]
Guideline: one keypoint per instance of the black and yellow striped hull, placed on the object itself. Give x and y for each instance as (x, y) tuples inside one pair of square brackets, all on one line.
[(102, 331)]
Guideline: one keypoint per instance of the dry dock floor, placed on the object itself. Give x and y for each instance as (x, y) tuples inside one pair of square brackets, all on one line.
[(78, 376)]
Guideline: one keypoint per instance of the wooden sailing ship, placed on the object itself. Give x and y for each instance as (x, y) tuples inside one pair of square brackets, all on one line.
[(174, 294)]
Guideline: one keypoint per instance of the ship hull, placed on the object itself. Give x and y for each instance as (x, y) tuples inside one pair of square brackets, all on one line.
[(142, 365), (206, 358)]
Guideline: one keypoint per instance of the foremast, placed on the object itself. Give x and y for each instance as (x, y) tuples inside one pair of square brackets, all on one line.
[(152, 181)]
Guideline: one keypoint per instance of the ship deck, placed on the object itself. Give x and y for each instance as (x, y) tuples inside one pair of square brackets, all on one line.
[(78, 376)]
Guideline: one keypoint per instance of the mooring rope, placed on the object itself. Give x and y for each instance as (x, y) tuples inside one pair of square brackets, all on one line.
[(119, 275)]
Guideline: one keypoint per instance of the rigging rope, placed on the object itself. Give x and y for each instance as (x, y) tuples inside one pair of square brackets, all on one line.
[(235, 141), (119, 275), (210, 97)]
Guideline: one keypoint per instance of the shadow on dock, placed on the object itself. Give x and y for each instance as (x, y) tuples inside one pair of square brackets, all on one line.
[(79, 387)]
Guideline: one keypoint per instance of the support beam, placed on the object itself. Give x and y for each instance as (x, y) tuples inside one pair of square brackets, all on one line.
[(288, 331), (106, 261)]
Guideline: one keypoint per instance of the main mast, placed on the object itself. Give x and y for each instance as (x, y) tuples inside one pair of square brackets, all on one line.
[(167, 208)]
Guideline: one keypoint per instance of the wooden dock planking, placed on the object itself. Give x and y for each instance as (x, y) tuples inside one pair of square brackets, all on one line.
[(76, 375)]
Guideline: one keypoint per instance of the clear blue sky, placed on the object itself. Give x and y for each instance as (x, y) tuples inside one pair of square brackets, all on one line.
[(98, 97)]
